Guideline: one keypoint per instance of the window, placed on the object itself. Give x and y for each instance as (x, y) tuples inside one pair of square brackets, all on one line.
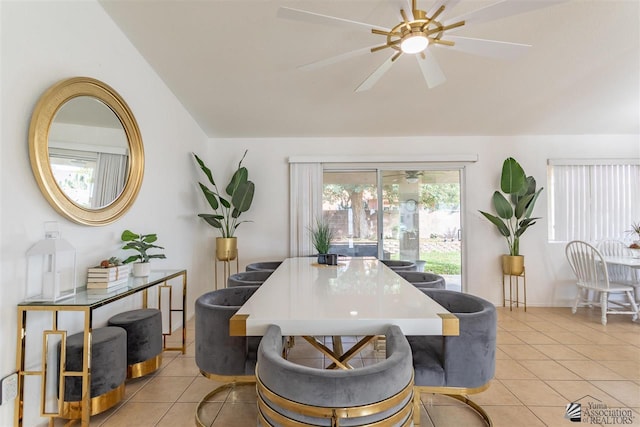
[(593, 200)]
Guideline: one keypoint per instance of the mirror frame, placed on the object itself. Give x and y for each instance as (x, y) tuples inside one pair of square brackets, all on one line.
[(44, 113)]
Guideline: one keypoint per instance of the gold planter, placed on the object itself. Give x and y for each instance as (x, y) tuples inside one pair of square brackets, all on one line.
[(226, 248), (513, 264)]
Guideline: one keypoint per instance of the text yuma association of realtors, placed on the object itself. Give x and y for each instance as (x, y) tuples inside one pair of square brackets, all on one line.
[(599, 413)]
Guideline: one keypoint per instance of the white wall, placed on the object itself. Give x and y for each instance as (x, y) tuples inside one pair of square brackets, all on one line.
[(549, 280), (42, 43)]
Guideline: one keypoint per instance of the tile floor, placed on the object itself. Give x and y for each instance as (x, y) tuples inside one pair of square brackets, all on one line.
[(546, 358)]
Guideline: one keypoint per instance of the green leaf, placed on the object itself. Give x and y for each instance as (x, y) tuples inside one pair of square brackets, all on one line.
[(532, 203), (132, 258), (132, 245), (243, 196), (502, 206), (225, 203), (522, 205), (149, 238), (211, 220), (524, 224), (239, 177), (160, 256), (210, 196), (128, 236), (502, 227), (205, 169), (513, 178)]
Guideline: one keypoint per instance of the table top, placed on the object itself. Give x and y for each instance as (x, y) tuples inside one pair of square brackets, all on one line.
[(94, 298), (633, 262), (356, 297)]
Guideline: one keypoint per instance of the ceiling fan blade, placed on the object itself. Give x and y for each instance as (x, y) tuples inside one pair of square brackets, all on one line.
[(489, 48), (377, 74), (317, 18), (448, 5), (404, 5), (431, 71), (337, 58), (502, 9)]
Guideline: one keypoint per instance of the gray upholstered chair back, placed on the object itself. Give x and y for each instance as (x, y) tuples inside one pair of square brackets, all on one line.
[(285, 389), (396, 265), (248, 278), (423, 280), (467, 360), (263, 266), (218, 353)]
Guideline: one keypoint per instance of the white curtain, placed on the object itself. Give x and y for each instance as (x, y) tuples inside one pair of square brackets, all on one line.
[(305, 189), (111, 174), (593, 202)]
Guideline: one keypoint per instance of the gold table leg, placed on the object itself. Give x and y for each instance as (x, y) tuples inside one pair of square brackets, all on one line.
[(339, 358)]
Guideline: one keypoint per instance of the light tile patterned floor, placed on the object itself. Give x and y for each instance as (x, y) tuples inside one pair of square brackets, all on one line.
[(546, 358)]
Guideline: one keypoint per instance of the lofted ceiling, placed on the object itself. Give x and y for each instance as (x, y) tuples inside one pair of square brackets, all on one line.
[(234, 66)]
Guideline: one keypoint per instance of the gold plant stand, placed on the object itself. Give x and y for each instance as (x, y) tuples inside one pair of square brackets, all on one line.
[(226, 267), (514, 279)]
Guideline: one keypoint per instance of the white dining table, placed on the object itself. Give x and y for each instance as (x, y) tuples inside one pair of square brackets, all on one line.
[(627, 261), (358, 297)]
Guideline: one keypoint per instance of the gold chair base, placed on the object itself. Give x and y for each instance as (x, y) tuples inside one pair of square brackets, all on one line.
[(206, 423), (145, 367), (73, 410), (458, 393), (334, 413)]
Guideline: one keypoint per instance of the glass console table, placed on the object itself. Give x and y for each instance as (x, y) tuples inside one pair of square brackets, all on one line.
[(86, 302)]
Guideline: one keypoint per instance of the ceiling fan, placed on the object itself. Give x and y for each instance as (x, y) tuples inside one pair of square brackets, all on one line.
[(419, 31), (412, 177)]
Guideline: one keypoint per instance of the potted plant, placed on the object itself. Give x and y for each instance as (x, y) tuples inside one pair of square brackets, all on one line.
[(514, 209), (227, 207), (141, 243), (635, 229), (321, 236), (635, 245)]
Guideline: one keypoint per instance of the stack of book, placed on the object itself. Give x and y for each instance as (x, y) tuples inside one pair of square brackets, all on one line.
[(109, 277)]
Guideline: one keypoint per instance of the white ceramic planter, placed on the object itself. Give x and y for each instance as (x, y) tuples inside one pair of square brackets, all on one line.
[(141, 269)]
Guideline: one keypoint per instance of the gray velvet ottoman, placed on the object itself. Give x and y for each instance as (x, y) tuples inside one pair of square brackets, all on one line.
[(108, 370), (144, 339)]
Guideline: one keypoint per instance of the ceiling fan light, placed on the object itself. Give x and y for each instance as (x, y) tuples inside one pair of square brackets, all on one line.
[(412, 180), (414, 43)]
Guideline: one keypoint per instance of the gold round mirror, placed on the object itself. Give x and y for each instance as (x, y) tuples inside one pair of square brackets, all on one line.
[(86, 151)]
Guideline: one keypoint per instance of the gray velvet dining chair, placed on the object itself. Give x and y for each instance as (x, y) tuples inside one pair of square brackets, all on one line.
[(399, 265), (423, 280), (220, 356), (248, 278), (295, 395), (457, 366), (263, 266)]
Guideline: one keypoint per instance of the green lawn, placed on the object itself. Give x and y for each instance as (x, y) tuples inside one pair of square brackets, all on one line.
[(442, 262)]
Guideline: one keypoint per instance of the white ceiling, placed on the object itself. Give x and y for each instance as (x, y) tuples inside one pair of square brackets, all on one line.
[(233, 64)]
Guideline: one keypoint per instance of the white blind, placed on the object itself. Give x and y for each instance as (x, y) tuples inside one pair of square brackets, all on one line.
[(593, 202)]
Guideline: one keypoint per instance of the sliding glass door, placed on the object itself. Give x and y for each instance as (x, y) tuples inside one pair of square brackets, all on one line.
[(400, 213), (350, 204)]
